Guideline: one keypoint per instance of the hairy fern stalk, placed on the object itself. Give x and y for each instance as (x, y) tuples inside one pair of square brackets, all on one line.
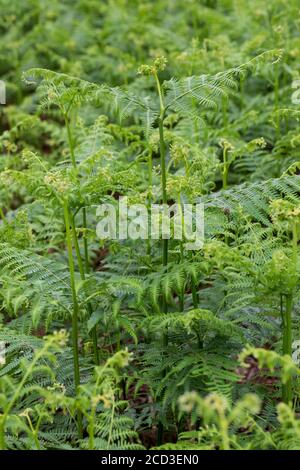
[(134, 343)]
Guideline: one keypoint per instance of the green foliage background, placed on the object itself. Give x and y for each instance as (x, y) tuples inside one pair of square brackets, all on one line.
[(136, 344)]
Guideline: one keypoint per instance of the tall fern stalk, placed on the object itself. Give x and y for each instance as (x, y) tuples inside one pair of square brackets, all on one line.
[(83, 278), (85, 242), (287, 393), (149, 195), (83, 269), (67, 218), (162, 147)]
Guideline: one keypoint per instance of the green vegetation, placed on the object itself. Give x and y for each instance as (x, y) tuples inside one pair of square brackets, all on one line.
[(145, 343)]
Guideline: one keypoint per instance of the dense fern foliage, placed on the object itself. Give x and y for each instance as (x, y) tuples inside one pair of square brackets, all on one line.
[(137, 343)]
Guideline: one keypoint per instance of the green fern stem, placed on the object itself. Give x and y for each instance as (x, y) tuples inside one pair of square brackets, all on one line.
[(181, 295), (34, 432), (276, 99), (149, 196), (287, 395), (86, 257), (70, 139), (87, 270), (162, 147), (68, 224), (295, 247), (85, 242), (83, 277), (164, 194)]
